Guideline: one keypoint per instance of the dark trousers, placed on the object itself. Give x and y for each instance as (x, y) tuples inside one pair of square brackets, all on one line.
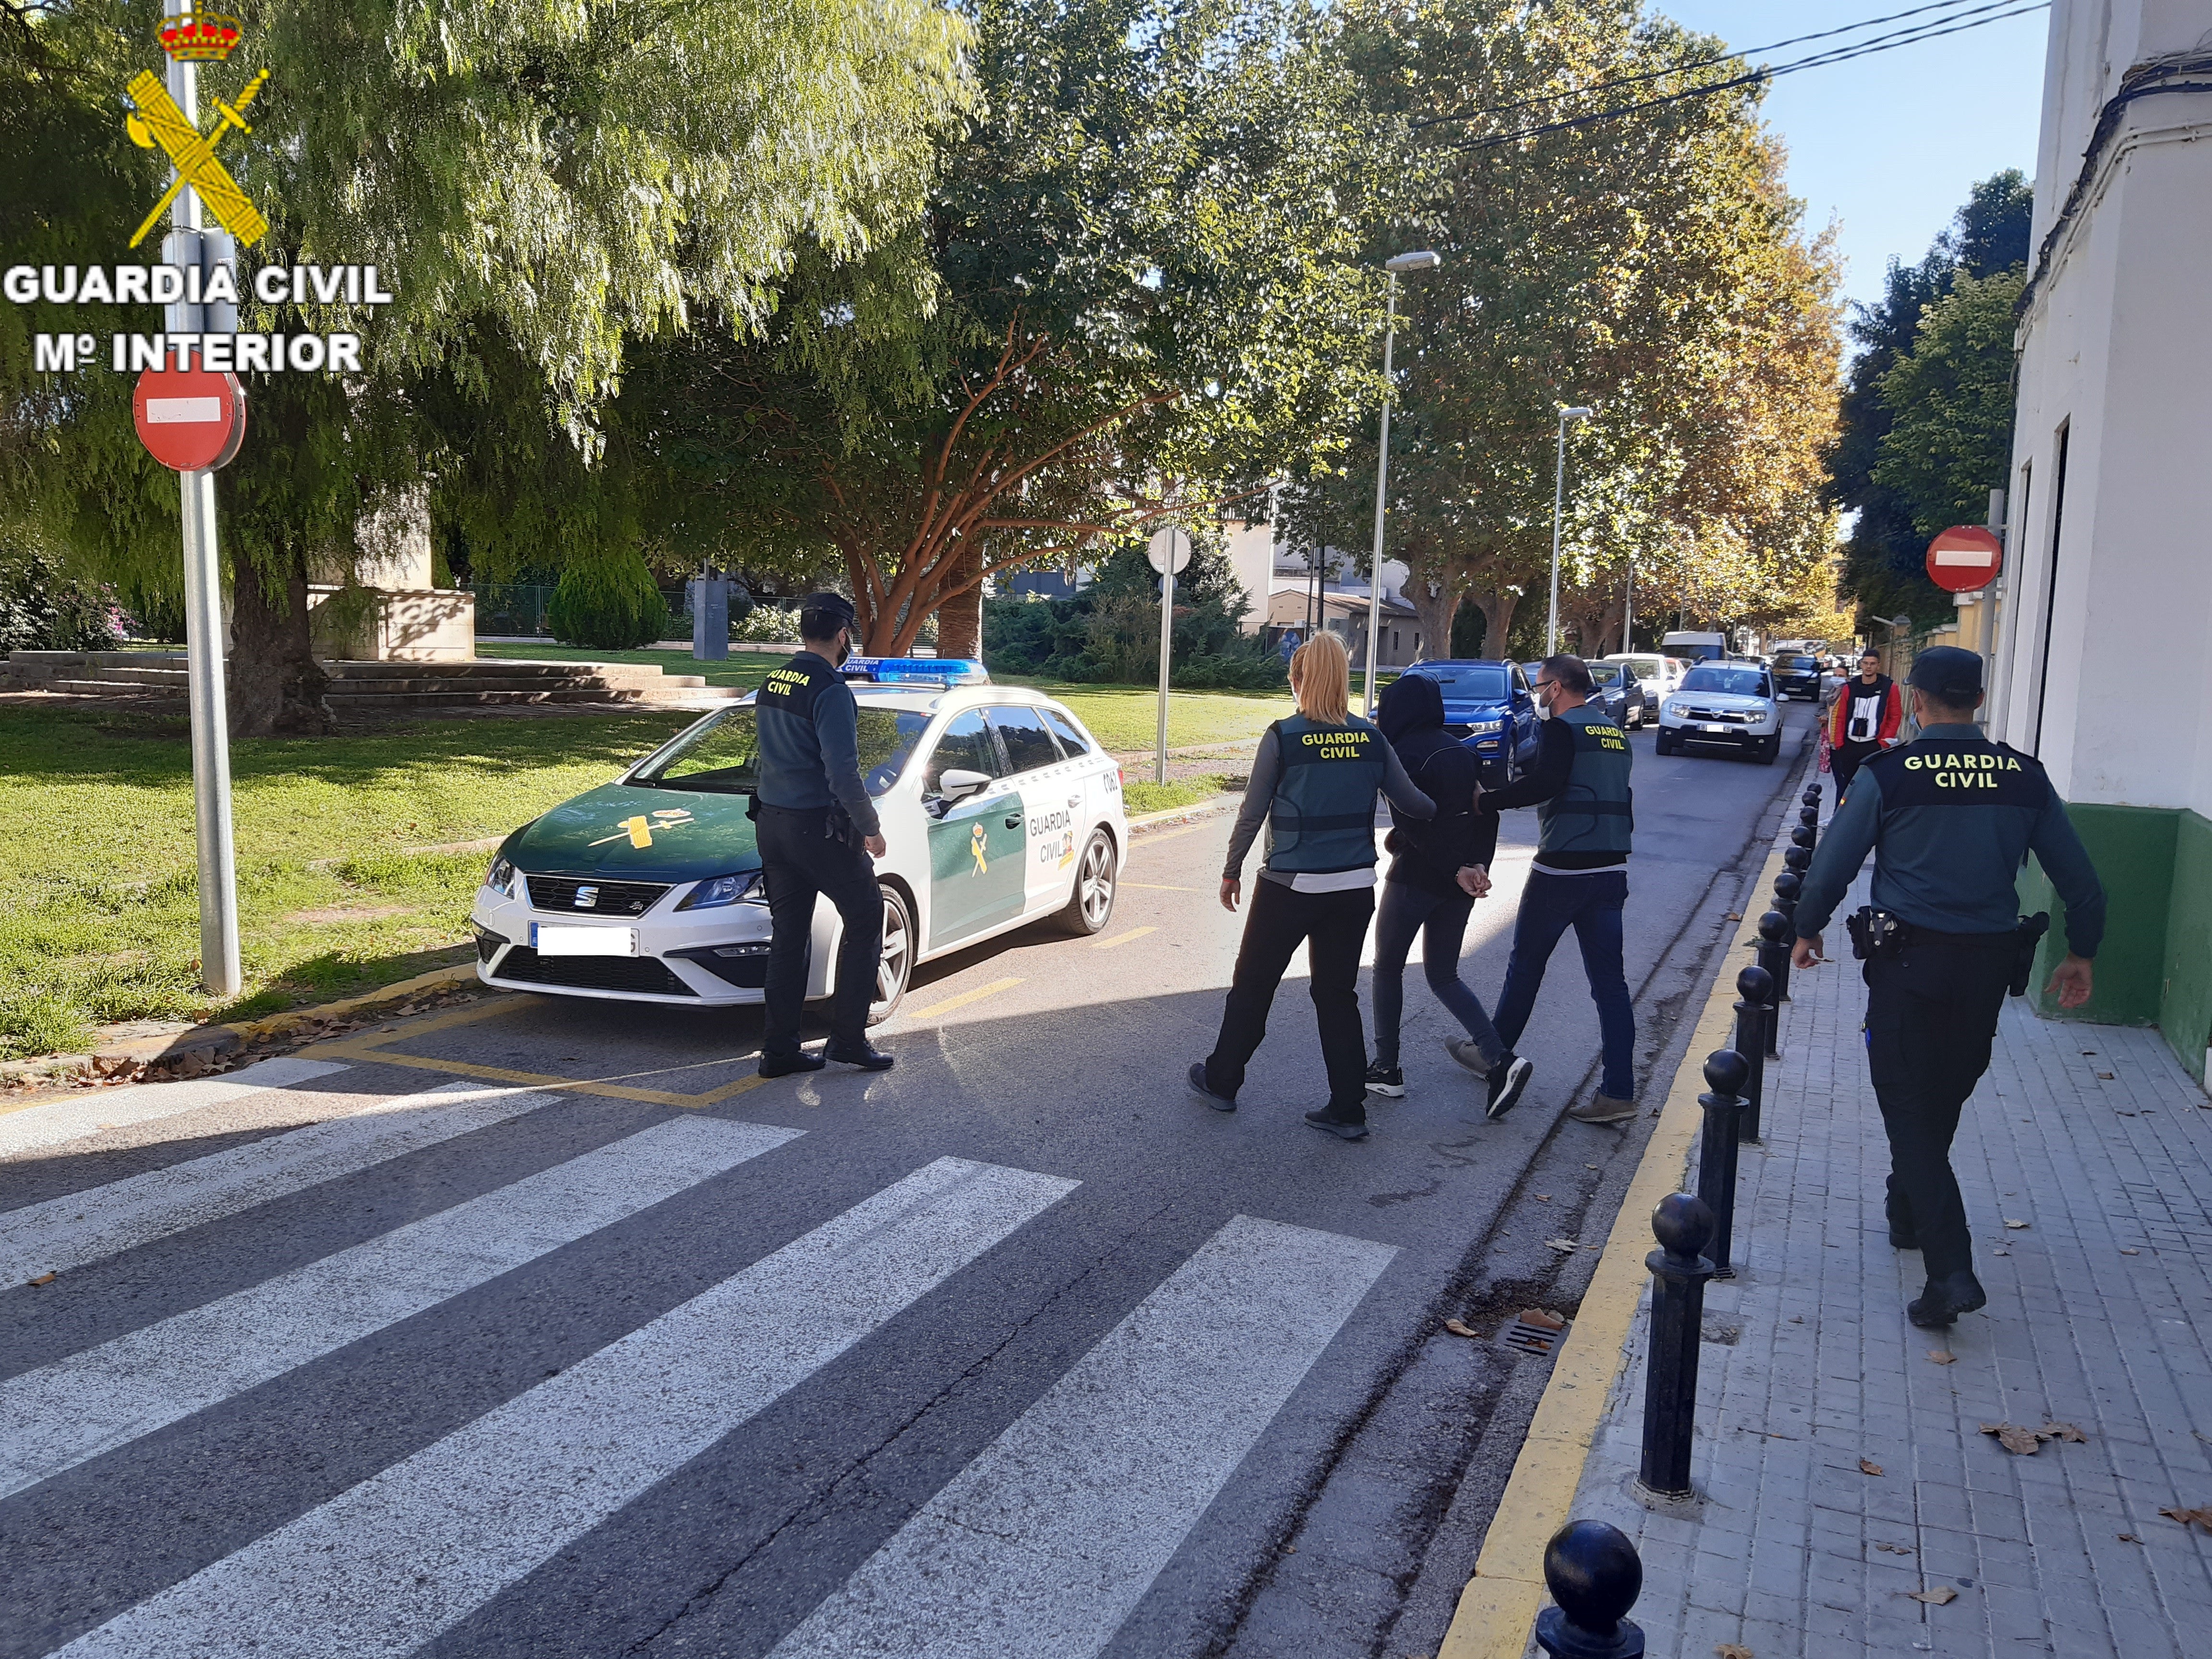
[(1331, 926), (1440, 920), (1931, 1014), (1590, 904), (800, 862), (1844, 760)]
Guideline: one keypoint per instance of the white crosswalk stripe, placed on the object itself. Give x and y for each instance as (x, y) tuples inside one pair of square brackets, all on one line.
[(1044, 1544), (387, 1564), (51, 1123), (67, 1233), (63, 1413)]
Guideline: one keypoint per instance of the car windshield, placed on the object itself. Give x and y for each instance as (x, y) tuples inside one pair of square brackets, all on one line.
[(1468, 684), (1728, 681), (1796, 665), (1604, 673), (717, 756)]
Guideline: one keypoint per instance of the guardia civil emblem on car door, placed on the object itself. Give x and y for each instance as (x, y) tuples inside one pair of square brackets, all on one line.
[(976, 845)]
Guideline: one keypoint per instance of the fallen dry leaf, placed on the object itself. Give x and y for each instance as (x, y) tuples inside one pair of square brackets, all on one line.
[(1936, 1597), (1895, 1549), (2014, 1438), (2017, 1226), (1731, 1650), (45, 1278), (2130, 1252), (2202, 1516), (1564, 1246), (1736, 915), (1543, 1319), (1943, 1356), (2063, 1432), (1459, 1329), (2127, 1538), (1868, 1466), (1543, 1198), (2103, 1077), (1589, 1166)]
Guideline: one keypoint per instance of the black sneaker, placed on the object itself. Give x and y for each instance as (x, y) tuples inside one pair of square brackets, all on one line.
[(1343, 1129), (1386, 1080), (1198, 1083), (1944, 1299), (784, 1064), (1507, 1079), (864, 1055)]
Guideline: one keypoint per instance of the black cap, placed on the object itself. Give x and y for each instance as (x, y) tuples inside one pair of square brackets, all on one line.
[(835, 603), (1947, 672)]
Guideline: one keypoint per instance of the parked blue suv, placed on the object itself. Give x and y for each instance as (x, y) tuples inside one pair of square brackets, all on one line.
[(1489, 708)]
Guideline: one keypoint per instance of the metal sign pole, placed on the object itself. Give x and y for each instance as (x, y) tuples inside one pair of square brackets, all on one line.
[(1167, 639), (220, 971)]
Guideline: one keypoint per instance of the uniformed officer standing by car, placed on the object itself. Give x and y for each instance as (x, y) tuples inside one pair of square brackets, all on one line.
[(1949, 818), (818, 834)]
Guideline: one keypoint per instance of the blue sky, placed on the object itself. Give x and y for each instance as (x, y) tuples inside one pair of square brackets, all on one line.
[(1886, 145)]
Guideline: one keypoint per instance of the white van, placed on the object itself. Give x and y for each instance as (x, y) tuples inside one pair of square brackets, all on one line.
[(1660, 675), (1696, 648)]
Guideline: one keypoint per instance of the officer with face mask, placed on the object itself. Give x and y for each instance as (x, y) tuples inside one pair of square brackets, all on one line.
[(1579, 787), (818, 834), (1949, 817)]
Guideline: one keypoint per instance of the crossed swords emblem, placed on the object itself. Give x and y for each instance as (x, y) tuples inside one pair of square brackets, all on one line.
[(156, 120)]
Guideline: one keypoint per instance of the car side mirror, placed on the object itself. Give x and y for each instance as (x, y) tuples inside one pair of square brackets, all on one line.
[(956, 783)]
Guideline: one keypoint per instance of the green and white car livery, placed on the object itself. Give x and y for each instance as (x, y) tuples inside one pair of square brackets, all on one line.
[(998, 806)]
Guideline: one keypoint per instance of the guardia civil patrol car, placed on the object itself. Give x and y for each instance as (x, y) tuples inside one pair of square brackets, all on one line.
[(998, 807)]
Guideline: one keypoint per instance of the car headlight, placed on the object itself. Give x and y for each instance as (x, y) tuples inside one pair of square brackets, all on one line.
[(1485, 728), (500, 876), (746, 886)]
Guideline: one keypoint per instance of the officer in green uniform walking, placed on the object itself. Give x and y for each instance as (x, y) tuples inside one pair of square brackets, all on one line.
[(1314, 782), (1950, 818), (1586, 817), (818, 834)]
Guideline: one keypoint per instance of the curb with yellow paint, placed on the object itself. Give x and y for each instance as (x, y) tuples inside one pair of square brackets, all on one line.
[(438, 979), (1497, 1609)]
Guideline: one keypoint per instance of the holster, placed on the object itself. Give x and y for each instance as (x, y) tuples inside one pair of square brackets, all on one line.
[(2025, 940), (837, 825), (1874, 932)]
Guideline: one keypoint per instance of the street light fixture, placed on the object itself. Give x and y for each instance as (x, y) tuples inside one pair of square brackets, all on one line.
[(1559, 501), (1423, 260)]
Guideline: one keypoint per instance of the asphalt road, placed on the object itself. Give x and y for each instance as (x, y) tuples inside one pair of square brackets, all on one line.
[(544, 1328)]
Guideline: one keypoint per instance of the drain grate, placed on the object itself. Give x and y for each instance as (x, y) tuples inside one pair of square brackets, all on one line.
[(1530, 1332)]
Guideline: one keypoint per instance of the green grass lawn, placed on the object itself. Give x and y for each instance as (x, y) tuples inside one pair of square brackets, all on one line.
[(746, 669), (98, 905)]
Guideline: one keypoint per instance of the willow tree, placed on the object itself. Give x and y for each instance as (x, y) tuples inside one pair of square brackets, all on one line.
[(543, 184), (1132, 295)]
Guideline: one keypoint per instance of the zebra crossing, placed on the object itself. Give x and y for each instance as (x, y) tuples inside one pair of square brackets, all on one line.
[(1043, 1544)]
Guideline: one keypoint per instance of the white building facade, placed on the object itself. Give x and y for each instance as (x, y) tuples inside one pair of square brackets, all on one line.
[(2103, 648)]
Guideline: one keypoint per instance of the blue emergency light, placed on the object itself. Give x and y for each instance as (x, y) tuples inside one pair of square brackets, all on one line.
[(917, 670)]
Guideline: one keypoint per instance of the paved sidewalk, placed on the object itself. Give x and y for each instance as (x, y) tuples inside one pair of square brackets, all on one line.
[(2101, 1308)]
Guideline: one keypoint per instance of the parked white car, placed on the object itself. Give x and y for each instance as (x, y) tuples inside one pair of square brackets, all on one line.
[(1731, 704), (1659, 674), (998, 807)]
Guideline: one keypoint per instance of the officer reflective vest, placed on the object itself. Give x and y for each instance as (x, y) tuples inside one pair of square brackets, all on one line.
[(1324, 815), (1593, 813)]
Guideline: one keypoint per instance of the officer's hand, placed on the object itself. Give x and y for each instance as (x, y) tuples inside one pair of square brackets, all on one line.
[(1473, 881), (2071, 982), (877, 846), (1806, 952), (1231, 891)]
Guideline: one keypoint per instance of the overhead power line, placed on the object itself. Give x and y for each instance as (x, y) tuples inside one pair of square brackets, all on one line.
[(1765, 72), (1951, 7)]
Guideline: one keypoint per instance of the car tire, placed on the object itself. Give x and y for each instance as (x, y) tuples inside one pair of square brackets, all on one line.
[(1090, 895), (895, 966)]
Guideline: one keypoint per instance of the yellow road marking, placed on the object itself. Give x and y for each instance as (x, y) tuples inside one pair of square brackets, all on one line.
[(966, 997), (1497, 1609), (1121, 939)]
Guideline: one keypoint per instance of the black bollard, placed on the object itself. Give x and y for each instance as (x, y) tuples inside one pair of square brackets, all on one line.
[(1787, 886), (1755, 985), (1802, 836), (1774, 958), (1799, 859), (1811, 797), (1595, 1575), (1681, 1224), (1809, 817), (1725, 1070)]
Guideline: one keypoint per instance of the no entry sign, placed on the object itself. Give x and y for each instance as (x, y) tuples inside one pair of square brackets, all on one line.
[(189, 419), (1965, 557)]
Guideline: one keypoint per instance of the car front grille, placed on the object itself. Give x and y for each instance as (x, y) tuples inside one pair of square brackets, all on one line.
[(1732, 716), (643, 975), (609, 898)]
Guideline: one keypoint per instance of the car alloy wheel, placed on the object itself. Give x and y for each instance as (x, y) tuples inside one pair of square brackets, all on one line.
[(1090, 901), (895, 966)]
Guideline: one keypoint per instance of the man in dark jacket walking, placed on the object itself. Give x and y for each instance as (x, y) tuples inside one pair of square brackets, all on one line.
[(1439, 866)]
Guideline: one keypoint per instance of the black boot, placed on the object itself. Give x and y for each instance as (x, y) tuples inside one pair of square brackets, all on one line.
[(1944, 1299), (784, 1064), (863, 1054), (1344, 1128)]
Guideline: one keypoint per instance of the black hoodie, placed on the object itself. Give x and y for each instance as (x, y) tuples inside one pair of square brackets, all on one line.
[(1429, 853)]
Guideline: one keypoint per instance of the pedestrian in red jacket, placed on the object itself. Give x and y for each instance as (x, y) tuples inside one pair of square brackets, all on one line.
[(1868, 714)]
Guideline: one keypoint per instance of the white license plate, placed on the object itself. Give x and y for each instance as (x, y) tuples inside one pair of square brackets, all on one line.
[(551, 940), (1722, 729)]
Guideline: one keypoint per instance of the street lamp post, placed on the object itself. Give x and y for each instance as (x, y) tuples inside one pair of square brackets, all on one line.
[(1401, 262), (1558, 502)]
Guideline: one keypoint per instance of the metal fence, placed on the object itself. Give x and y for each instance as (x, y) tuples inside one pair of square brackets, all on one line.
[(512, 608)]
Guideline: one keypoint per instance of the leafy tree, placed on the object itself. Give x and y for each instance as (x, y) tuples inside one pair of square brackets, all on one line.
[(543, 185), (1884, 566), (1950, 402), (1131, 296)]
